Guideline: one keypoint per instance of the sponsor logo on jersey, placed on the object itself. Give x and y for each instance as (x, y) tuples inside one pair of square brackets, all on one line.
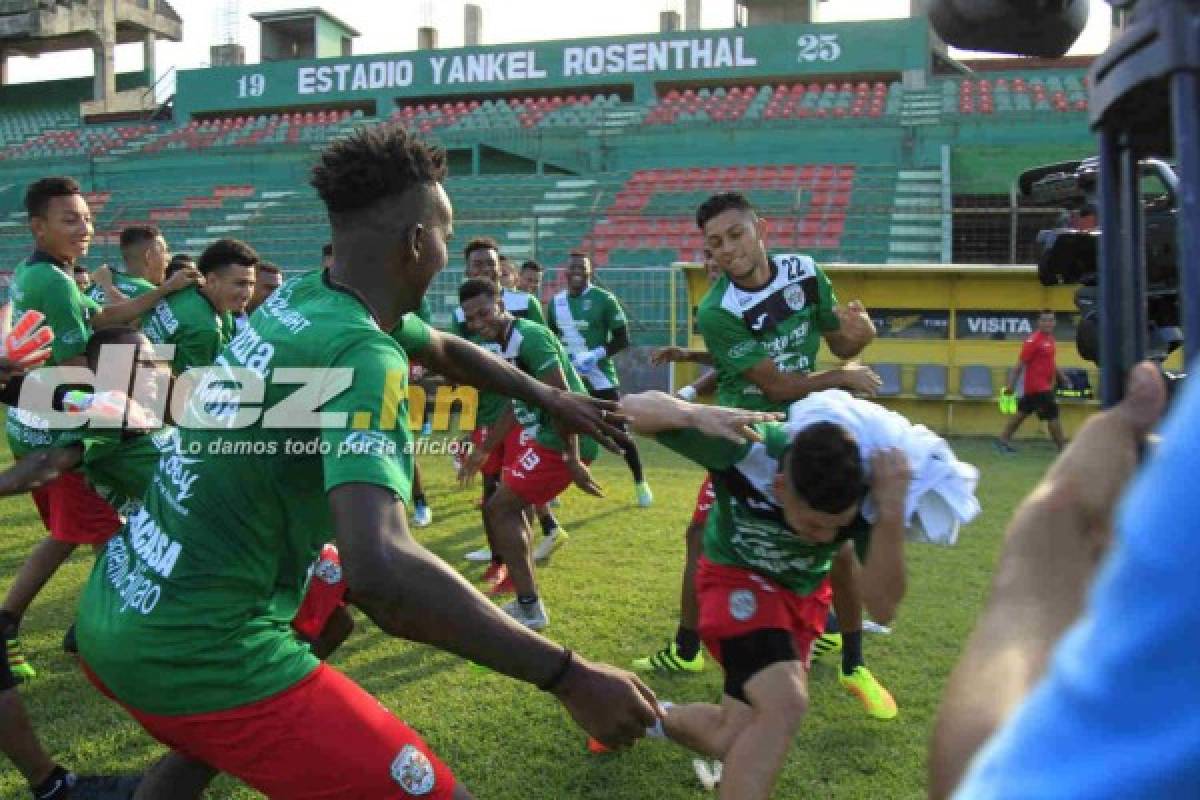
[(412, 771), (794, 297), (587, 304), (742, 604), (742, 349)]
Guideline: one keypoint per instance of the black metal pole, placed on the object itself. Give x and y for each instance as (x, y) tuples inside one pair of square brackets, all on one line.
[(1185, 112)]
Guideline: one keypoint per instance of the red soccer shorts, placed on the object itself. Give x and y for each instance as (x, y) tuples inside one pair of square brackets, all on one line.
[(500, 457), (704, 502), (326, 594), (736, 601), (537, 474), (73, 512), (323, 738)]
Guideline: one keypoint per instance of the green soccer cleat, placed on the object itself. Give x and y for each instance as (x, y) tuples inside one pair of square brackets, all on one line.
[(645, 497), (669, 660), (21, 669), (826, 644), (877, 700)]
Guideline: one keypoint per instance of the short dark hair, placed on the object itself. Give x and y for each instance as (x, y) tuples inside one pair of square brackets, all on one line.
[(578, 254), (1047, 311), (826, 467), (475, 287), (533, 265), (267, 266), (137, 234), (720, 203), (39, 193), (178, 262), (326, 249), (81, 268), (480, 243), (224, 252), (373, 163), (104, 336)]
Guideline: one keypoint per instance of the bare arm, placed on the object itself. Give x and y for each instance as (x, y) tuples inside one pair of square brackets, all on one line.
[(461, 361), (1053, 547), (707, 384), (128, 311), (666, 355), (654, 412), (884, 580), (411, 593), (785, 387), (854, 333), (38, 468)]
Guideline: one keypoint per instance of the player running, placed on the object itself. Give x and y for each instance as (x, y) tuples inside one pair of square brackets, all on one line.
[(185, 618), (840, 472), (592, 325), (763, 322), (540, 470)]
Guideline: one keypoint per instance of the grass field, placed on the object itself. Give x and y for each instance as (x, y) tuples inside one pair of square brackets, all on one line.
[(612, 595)]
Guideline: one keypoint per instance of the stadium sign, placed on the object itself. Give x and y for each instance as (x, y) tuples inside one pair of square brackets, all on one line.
[(769, 53)]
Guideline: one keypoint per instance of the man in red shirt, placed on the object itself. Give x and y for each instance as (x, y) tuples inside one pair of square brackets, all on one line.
[(1041, 373)]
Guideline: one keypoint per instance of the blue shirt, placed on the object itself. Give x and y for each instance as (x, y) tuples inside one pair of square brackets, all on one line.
[(1118, 712)]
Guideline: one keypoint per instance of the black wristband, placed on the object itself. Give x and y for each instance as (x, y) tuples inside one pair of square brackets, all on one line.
[(564, 667)]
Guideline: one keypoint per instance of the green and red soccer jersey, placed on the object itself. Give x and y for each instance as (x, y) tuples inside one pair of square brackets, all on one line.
[(189, 321), (189, 608), (746, 527), (782, 320), (42, 284), (120, 466), (587, 321), (534, 349)]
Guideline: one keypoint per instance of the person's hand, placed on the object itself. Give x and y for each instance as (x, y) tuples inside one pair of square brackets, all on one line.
[(668, 355), (890, 476), (860, 379), (416, 373), (611, 705), (103, 276), (471, 465), (733, 424), (188, 276), (581, 476), (581, 414), (1089, 477), (854, 321)]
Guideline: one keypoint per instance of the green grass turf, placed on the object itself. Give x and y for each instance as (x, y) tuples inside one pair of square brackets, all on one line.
[(612, 595)]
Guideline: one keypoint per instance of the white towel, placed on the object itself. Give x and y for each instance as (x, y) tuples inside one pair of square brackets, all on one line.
[(941, 495)]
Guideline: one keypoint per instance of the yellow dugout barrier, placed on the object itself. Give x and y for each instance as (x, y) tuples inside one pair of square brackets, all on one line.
[(969, 319)]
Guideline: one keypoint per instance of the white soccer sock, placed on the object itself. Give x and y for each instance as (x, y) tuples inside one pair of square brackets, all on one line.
[(656, 731)]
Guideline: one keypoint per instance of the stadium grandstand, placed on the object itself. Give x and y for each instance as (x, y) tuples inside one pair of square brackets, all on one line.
[(861, 142)]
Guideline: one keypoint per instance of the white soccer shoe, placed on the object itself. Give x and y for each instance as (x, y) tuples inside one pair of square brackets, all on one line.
[(479, 556), (533, 617)]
